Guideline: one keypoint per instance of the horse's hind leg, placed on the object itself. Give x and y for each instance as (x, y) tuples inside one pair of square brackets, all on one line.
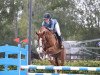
[(56, 64), (56, 61), (62, 57)]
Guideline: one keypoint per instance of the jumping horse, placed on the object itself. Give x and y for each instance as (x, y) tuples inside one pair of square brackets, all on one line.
[(51, 46)]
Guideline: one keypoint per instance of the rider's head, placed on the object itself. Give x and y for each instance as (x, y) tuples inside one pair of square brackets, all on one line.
[(46, 17)]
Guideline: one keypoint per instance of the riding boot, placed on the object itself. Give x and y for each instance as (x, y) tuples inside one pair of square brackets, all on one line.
[(60, 41)]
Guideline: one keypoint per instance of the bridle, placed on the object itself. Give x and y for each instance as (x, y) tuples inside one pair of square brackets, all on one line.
[(44, 42)]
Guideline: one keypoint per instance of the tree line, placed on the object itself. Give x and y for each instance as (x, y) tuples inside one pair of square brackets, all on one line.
[(78, 19)]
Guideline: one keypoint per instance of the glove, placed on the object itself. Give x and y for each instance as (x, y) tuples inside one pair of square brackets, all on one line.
[(50, 29)]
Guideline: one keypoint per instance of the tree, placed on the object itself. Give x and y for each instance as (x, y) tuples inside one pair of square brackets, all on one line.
[(8, 9)]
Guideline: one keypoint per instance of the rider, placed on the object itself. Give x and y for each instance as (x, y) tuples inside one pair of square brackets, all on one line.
[(53, 25)]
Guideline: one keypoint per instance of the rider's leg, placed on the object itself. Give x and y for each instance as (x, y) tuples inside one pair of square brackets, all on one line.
[(59, 39)]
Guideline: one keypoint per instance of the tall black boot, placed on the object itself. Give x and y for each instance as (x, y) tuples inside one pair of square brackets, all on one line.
[(60, 41)]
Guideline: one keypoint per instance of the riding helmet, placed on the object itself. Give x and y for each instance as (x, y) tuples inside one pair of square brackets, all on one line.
[(47, 15)]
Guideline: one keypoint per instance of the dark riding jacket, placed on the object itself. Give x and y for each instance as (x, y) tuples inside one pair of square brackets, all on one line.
[(50, 25)]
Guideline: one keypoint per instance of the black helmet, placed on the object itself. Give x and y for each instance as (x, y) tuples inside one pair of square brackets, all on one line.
[(47, 15)]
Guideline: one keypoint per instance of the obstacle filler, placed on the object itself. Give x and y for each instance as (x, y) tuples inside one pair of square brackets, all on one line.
[(20, 60), (13, 56)]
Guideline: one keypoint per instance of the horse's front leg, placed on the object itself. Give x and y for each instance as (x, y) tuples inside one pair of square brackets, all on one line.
[(51, 60), (51, 50)]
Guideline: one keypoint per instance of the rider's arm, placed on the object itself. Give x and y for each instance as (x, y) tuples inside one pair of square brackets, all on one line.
[(52, 27)]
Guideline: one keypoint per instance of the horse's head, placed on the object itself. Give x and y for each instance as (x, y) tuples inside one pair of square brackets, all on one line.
[(41, 32)]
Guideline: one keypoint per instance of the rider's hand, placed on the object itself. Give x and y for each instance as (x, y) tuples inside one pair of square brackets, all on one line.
[(51, 29)]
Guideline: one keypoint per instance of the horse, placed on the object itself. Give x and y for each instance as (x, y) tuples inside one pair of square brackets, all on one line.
[(51, 46)]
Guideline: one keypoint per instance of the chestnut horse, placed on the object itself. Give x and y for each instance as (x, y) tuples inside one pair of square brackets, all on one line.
[(51, 46)]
